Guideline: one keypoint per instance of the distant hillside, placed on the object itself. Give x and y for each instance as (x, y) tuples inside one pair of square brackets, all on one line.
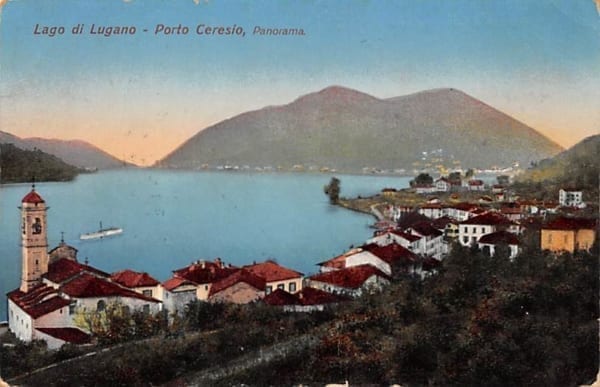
[(577, 167), (18, 166), (349, 130), (75, 152)]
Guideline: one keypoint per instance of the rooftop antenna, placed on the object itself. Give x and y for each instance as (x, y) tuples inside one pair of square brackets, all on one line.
[(62, 237)]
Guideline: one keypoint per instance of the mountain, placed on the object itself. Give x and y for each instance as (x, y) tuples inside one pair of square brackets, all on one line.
[(350, 130), (19, 166), (75, 152), (577, 167)]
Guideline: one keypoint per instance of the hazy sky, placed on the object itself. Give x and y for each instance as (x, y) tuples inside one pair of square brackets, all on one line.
[(140, 96)]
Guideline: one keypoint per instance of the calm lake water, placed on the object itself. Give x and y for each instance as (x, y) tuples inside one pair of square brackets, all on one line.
[(173, 218)]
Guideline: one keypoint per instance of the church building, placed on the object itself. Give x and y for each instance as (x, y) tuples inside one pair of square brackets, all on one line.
[(55, 286)]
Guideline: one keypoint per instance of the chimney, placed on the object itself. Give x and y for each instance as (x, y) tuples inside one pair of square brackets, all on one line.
[(203, 264)]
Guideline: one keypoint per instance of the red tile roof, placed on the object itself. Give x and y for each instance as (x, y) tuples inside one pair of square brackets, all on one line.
[(430, 263), (87, 285), (272, 271), (499, 237), (392, 253), (32, 198), (426, 229), (564, 223), (280, 297), (63, 269), (339, 262), (70, 335), (175, 282), (133, 279), (411, 218), (38, 301), (441, 223), (349, 278), (240, 275), (476, 182), (408, 237), (205, 272), (312, 296), (464, 206), (489, 218)]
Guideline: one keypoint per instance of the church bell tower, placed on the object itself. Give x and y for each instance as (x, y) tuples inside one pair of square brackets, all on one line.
[(34, 240)]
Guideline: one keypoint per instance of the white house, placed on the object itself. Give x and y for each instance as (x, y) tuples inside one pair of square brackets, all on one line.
[(469, 231), (442, 185), (571, 197)]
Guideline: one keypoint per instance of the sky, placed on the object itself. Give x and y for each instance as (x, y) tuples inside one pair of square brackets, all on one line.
[(140, 96)]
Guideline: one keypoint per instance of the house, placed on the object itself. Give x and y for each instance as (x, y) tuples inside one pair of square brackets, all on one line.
[(240, 287), (204, 274), (177, 293), (443, 185), (489, 242), (409, 241), (568, 234), (461, 211), (476, 185), (512, 211), (399, 259), (431, 210), (55, 287), (571, 197), (470, 230), (355, 257), (447, 225), (431, 241), (140, 282), (351, 281), (277, 276)]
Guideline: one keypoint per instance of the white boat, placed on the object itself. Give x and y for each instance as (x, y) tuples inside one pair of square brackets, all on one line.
[(102, 233)]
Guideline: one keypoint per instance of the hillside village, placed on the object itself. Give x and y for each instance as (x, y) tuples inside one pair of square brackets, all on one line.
[(58, 294)]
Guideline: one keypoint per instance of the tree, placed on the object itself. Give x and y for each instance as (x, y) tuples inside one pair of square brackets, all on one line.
[(333, 190), (422, 179), (503, 179), (470, 173)]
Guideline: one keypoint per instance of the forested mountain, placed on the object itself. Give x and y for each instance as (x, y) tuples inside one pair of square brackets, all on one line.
[(75, 152), (18, 165)]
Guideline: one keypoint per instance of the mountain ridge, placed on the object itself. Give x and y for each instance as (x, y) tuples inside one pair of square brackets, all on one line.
[(349, 130), (75, 152)]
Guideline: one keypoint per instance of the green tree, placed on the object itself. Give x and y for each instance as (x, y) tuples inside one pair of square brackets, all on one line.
[(422, 179), (333, 190)]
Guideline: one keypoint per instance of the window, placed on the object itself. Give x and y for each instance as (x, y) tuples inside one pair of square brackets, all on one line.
[(146, 308), (549, 238), (72, 306), (465, 239), (474, 230), (100, 306), (147, 293), (37, 226), (483, 230), (292, 287), (281, 286), (269, 289)]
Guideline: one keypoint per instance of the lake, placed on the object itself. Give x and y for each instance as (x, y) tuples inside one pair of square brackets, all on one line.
[(171, 218)]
